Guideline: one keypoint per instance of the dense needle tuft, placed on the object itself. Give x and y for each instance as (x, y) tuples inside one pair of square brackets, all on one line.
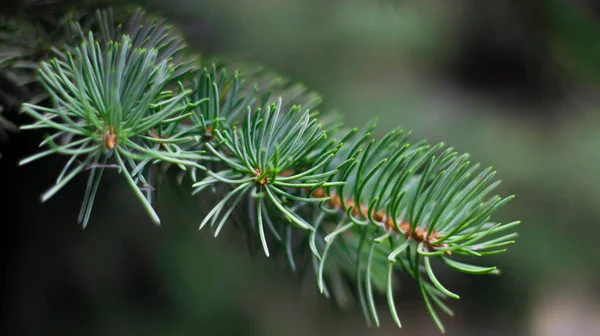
[(107, 103)]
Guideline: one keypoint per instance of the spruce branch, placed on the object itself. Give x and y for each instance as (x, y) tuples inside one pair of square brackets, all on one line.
[(126, 96)]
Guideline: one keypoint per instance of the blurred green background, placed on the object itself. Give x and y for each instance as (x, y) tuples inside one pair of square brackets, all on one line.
[(515, 84)]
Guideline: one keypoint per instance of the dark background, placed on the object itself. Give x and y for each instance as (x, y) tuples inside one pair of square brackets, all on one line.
[(514, 83)]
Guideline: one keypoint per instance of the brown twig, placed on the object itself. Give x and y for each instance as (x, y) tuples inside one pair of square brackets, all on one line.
[(419, 234)]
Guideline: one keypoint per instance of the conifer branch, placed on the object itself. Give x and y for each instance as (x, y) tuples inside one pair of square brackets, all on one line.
[(124, 94)]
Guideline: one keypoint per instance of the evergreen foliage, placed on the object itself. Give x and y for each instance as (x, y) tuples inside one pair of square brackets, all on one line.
[(122, 93)]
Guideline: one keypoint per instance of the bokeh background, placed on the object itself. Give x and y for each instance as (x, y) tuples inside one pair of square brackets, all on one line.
[(513, 83)]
